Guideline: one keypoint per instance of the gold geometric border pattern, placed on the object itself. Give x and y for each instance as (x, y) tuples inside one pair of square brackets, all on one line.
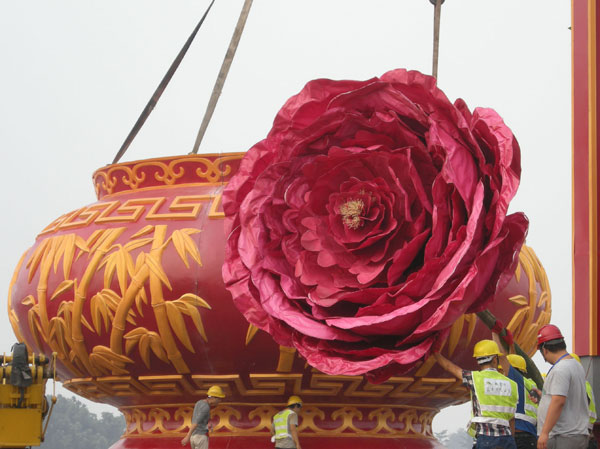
[(268, 385), (237, 419)]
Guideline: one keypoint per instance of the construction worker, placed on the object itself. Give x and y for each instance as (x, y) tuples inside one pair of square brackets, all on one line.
[(526, 415), (493, 397), (284, 428), (593, 444), (197, 436), (563, 416)]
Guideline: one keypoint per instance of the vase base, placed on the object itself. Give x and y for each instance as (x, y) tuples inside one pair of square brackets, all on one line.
[(263, 443)]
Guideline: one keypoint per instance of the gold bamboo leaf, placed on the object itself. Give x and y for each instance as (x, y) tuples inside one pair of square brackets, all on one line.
[(178, 325), (131, 317), (64, 286), (197, 319), (81, 243), (92, 240), (68, 255), (144, 348), (109, 270), (135, 334), (145, 230), (59, 325), (472, 319), (140, 298), (157, 347), (99, 311), (455, 332), (130, 265), (59, 249), (191, 248), (179, 244), (544, 299), (517, 319), (139, 261), (518, 270), (52, 332), (122, 269), (252, 330), (36, 258), (86, 323), (101, 363), (29, 300), (519, 300), (194, 300), (32, 327), (129, 345), (135, 244), (111, 355), (157, 269)]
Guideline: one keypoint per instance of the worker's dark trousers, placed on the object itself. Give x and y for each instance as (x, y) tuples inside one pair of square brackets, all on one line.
[(525, 440)]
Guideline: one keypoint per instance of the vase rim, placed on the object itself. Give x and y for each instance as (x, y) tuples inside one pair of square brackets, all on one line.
[(189, 169)]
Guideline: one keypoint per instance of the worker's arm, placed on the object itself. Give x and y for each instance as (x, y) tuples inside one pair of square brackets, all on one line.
[(512, 426), (453, 369), (502, 358), (186, 439), (557, 403), (294, 432)]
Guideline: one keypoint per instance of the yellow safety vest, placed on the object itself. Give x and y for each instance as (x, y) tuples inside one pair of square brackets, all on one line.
[(530, 407), (280, 424), (497, 396), (591, 405)]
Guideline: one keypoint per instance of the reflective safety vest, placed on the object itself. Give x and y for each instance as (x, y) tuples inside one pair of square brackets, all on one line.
[(497, 396), (591, 405), (531, 407), (280, 424)]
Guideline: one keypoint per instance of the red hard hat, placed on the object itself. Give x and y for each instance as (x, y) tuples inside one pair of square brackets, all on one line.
[(547, 333)]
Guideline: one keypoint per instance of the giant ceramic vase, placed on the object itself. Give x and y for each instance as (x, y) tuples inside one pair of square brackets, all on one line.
[(128, 292)]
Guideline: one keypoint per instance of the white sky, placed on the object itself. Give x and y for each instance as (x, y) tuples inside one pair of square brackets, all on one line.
[(76, 74)]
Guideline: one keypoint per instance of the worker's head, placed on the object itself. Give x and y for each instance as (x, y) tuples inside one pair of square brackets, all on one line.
[(486, 352), (517, 362), (294, 403), (215, 394), (550, 341)]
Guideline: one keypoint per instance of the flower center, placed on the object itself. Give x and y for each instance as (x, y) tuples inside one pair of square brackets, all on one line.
[(351, 211)]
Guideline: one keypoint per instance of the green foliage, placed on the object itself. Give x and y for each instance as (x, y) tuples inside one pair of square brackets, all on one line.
[(73, 426)]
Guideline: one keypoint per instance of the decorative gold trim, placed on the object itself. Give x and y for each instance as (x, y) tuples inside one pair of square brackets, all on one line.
[(168, 171), (267, 386), (181, 207), (316, 420)]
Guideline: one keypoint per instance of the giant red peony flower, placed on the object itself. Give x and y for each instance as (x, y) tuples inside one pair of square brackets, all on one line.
[(372, 216)]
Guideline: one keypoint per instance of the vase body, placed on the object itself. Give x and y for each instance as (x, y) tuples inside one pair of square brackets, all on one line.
[(128, 292)]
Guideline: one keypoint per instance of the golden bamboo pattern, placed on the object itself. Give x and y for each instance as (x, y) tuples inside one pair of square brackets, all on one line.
[(114, 310)]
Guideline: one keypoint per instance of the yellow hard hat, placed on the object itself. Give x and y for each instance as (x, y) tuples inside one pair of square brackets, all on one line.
[(575, 356), (216, 392), (517, 361), (294, 400), (486, 348)]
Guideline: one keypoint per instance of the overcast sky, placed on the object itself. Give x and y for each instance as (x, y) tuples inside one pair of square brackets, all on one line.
[(76, 74)]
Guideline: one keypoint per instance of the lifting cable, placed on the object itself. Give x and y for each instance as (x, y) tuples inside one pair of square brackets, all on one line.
[(436, 35), (160, 89), (214, 98)]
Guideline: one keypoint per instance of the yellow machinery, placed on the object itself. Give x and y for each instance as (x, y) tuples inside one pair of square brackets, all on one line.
[(23, 408)]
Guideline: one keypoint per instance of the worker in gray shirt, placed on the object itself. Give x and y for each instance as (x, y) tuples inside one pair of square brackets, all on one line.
[(562, 419), (197, 436)]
